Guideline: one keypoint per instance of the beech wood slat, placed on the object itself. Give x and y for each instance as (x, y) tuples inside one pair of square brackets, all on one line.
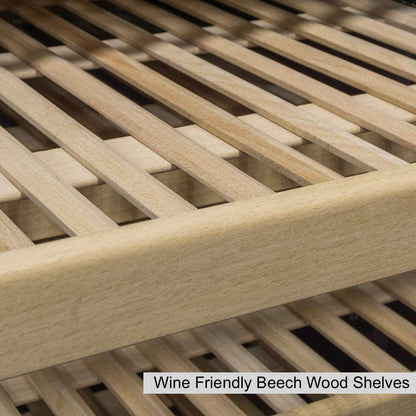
[(217, 174), (60, 201), (52, 383), (11, 237), (388, 10), (57, 392), (389, 322), (266, 104), (21, 392), (126, 386), (329, 36), (218, 402), (210, 117), (23, 71), (317, 92), (7, 407), (295, 352), (134, 275), (324, 62), (402, 289), (168, 357), (239, 359), (356, 22), (356, 345), (135, 184)]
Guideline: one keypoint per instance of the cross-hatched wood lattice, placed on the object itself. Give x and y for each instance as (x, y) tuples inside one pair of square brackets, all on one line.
[(191, 185)]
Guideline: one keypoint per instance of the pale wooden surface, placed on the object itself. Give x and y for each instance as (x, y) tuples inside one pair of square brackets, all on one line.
[(168, 357), (57, 392), (132, 182), (393, 325), (356, 345), (326, 63), (275, 109), (400, 288), (208, 116), (7, 407), (372, 28), (228, 181), (298, 354), (317, 92), (238, 359), (283, 321), (332, 37), (69, 209), (230, 237), (126, 386), (388, 10), (194, 236)]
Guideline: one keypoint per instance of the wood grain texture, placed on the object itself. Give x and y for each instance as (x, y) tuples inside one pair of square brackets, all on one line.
[(135, 184), (385, 319), (168, 357), (402, 289), (11, 237), (21, 391), (356, 345), (216, 242), (268, 105), (329, 36), (317, 92), (239, 359), (7, 407), (356, 22), (214, 172), (126, 386), (66, 206), (295, 352), (24, 71), (58, 393), (388, 10), (201, 111), (325, 62)]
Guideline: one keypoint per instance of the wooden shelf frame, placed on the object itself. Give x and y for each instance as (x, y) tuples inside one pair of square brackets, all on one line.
[(107, 299)]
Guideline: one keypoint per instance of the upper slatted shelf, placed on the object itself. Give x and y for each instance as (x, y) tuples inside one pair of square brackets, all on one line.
[(209, 92)]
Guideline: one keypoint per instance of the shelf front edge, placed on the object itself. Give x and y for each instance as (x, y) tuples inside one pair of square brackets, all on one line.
[(68, 299)]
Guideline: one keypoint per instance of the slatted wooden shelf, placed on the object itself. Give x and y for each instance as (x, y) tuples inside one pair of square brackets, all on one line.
[(195, 185)]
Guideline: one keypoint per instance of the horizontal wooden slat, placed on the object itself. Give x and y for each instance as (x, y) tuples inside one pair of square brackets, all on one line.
[(168, 357), (313, 129), (280, 318), (6, 405), (133, 183), (228, 181), (298, 354), (327, 63), (356, 22), (389, 322), (387, 10), (207, 115), (124, 383), (356, 345), (332, 37), (238, 359), (55, 388), (213, 243), (64, 204), (317, 92)]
